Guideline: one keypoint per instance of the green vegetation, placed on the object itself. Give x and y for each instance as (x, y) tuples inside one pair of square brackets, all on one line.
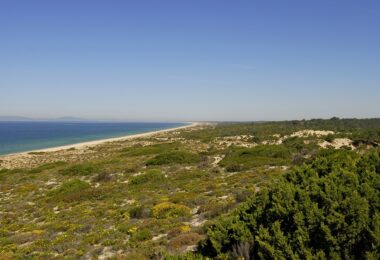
[(70, 191), (78, 170), (170, 210), (227, 191), (139, 150), (367, 130), (179, 157), (152, 175), (142, 235), (46, 166), (263, 155), (327, 209)]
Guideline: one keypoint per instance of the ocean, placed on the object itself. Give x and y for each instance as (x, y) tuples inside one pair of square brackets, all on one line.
[(32, 135)]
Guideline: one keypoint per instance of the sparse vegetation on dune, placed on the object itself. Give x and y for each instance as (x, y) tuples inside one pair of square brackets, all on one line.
[(270, 190)]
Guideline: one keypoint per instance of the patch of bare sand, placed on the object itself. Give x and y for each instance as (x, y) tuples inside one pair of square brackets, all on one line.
[(301, 134), (338, 143), (306, 133)]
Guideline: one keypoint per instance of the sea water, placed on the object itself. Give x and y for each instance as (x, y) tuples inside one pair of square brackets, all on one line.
[(32, 135)]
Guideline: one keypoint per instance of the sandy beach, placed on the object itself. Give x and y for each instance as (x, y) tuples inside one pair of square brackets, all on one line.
[(89, 144)]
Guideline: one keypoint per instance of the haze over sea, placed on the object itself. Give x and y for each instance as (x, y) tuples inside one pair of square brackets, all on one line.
[(27, 136)]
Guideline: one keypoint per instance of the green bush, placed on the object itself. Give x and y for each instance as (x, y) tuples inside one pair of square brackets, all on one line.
[(329, 208), (329, 138), (142, 235), (139, 212), (70, 190), (79, 170), (170, 210), (177, 157), (238, 159), (75, 190), (150, 176)]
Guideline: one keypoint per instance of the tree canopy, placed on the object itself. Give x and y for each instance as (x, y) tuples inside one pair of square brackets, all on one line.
[(327, 208)]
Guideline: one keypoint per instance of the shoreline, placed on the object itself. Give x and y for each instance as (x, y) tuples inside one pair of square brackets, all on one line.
[(88, 144)]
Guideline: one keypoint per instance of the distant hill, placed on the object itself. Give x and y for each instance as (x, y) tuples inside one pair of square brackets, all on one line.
[(22, 118), (15, 118), (68, 118)]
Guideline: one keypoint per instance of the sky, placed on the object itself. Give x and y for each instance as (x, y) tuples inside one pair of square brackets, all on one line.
[(197, 60)]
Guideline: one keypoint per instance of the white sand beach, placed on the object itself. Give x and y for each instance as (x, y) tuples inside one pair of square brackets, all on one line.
[(89, 144)]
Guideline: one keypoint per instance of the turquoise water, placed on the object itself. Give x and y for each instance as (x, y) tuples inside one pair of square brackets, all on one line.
[(27, 136)]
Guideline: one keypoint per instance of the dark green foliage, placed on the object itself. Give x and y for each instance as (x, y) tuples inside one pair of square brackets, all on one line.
[(359, 129), (242, 195), (329, 208), (329, 138), (238, 159), (150, 176), (233, 167), (177, 157), (139, 212), (142, 235)]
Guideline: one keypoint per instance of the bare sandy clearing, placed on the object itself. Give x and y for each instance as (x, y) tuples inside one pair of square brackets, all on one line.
[(338, 143)]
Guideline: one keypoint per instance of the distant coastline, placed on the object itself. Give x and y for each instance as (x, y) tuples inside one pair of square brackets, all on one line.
[(88, 144)]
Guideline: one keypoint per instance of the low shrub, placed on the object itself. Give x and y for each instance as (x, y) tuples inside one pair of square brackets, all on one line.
[(215, 208), (234, 168), (102, 177), (79, 170), (184, 239), (329, 138), (72, 190), (142, 235), (177, 157), (170, 210), (124, 228), (242, 195), (139, 212), (238, 159), (150, 176)]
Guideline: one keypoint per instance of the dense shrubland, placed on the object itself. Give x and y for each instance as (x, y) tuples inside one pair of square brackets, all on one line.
[(160, 198), (238, 159), (357, 129), (328, 208)]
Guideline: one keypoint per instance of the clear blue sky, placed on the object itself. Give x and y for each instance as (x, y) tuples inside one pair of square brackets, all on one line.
[(190, 60)]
